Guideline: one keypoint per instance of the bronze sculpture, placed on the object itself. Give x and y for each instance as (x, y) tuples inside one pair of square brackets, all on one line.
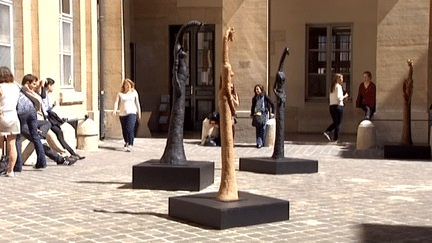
[(279, 90), (228, 187), (407, 96), (174, 150)]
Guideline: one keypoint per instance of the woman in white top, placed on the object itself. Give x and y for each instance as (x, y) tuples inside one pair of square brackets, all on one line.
[(127, 105), (9, 122), (337, 98)]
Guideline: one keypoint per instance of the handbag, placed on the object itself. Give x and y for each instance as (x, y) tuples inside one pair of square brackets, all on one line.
[(4, 161), (54, 118), (258, 119)]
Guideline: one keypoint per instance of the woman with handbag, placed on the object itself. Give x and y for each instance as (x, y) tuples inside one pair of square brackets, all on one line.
[(9, 122), (261, 109)]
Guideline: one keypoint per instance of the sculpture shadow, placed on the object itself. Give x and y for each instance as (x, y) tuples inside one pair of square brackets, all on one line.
[(110, 148), (160, 215), (379, 233), (124, 185)]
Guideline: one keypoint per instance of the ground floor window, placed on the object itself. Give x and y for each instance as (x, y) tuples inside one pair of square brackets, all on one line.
[(329, 51), (6, 30), (66, 43)]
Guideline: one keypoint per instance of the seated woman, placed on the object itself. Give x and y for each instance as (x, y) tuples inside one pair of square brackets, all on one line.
[(211, 132), (47, 108), (33, 129)]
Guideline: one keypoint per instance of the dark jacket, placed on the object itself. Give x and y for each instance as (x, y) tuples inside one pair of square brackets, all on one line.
[(269, 105)]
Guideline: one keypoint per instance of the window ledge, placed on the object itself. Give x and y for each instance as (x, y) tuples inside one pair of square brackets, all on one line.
[(71, 97)]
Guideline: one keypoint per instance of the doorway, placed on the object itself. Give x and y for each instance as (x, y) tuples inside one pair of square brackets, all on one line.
[(200, 86)]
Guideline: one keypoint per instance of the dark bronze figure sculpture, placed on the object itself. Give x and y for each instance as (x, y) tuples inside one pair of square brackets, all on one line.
[(279, 90), (174, 151), (407, 95)]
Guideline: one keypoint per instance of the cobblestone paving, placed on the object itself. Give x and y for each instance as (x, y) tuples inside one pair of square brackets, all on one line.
[(357, 196)]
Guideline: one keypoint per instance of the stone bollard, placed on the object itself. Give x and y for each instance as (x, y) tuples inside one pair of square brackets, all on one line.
[(69, 135), (271, 133), (205, 130), (366, 135), (87, 135), (28, 153)]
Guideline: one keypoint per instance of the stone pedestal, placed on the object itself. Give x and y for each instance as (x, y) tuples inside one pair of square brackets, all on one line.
[(250, 209), (269, 165), (407, 152), (366, 135), (191, 176)]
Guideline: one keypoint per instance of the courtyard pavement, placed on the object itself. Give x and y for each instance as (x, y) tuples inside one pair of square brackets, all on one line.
[(357, 196)]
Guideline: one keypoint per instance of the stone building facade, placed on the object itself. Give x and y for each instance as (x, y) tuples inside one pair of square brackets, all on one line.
[(56, 39), (115, 39)]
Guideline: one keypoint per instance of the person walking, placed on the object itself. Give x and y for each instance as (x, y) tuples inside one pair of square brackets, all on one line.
[(337, 98), (366, 97), (9, 122), (261, 109), (128, 107)]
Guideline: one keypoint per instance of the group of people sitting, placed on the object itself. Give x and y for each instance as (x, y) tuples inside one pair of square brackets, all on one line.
[(27, 110)]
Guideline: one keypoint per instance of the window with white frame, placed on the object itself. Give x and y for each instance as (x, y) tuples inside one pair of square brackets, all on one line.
[(66, 43), (328, 52), (6, 34)]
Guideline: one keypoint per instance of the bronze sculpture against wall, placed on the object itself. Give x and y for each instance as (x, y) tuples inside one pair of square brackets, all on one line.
[(279, 90), (174, 151)]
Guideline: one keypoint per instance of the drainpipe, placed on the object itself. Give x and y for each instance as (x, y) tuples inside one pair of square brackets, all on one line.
[(102, 69)]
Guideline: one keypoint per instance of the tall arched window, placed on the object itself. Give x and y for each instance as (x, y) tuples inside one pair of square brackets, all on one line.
[(66, 44), (6, 34), (328, 52)]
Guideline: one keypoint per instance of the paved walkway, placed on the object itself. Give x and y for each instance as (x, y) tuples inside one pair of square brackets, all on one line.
[(357, 196)]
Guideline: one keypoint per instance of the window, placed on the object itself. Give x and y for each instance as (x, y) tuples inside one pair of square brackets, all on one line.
[(6, 34), (328, 52), (66, 43)]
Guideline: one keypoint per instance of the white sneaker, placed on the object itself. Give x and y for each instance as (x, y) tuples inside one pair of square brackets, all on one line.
[(129, 148), (327, 136), (10, 174)]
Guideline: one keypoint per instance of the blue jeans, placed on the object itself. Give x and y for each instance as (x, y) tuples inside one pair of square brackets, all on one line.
[(368, 112), (128, 123), (29, 127), (261, 131), (336, 112)]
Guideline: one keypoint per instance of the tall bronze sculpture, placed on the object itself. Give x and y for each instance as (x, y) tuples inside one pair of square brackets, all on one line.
[(278, 163), (228, 207), (228, 187), (174, 150), (279, 90), (407, 96), (173, 171)]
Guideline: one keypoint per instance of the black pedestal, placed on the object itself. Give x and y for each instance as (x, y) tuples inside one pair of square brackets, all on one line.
[(250, 209), (407, 152), (279, 166), (191, 176)]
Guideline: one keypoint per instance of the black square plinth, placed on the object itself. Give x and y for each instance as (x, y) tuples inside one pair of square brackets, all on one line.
[(250, 209), (191, 176), (278, 166), (407, 152)]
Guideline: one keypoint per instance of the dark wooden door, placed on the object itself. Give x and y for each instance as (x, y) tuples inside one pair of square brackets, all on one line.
[(200, 87)]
